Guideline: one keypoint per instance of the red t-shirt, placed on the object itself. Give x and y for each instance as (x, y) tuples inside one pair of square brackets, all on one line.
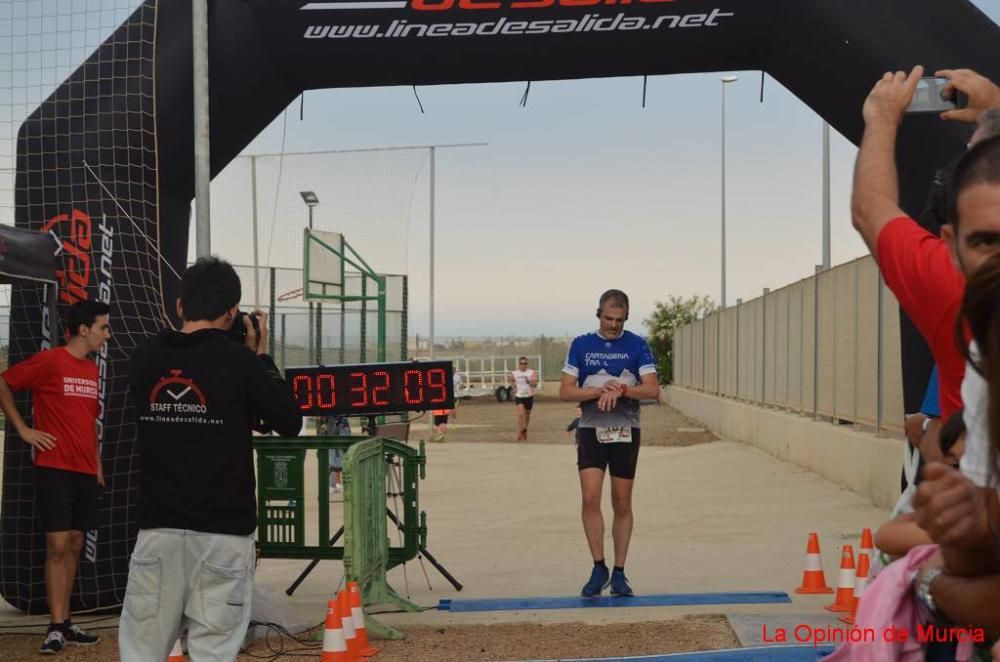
[(918, 269), (64, 399)]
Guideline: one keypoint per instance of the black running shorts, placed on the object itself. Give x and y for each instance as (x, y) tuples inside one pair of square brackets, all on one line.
[(527, 402), (67, 500), (440, 419), (621, 458)]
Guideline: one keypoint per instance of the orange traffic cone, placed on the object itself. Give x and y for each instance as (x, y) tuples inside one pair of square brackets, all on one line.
[(334, 643), (867, 547), (176, 653), (813, 579), (845, 585), (358, 616), (344, 604), (860, 583)]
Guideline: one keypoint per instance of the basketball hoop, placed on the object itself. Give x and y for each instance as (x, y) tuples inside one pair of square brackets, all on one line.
[(288, 296)]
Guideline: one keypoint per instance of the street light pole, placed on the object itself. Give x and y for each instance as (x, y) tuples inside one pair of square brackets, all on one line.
[(432, 211), (432, 149), (725, 81), (202, 143), (826, 196)]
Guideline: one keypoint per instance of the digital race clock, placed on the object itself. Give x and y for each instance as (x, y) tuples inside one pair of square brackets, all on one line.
[(372, 388)]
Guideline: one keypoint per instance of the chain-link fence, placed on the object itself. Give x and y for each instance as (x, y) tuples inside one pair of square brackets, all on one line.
[(827, 345), (552, 350), (309, 333)]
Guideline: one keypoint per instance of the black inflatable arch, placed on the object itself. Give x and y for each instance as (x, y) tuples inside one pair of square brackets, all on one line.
[(75, 171)]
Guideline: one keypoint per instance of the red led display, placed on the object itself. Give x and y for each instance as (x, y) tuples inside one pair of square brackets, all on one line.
[(373, 388)]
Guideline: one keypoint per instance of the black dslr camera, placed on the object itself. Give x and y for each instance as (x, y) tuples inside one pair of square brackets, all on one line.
[(238, 331)]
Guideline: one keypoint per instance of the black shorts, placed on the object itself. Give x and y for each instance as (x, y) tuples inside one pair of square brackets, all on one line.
[(440, 419), (527, 402), (67, 500), (621, 458)]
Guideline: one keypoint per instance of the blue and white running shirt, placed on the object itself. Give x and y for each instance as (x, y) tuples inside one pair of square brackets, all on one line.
[(594, 360)]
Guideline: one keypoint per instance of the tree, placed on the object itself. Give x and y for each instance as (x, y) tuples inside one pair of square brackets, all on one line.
[(667, 316)]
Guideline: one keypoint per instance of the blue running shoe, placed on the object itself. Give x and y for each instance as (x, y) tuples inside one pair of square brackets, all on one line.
[(598, 580), (619, 585)]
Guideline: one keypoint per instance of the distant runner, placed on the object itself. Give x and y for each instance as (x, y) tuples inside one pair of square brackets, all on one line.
[(524, 380)]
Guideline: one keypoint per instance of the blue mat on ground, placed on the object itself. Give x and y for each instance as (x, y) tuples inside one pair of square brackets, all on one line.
[(758, 654), (666, 600)]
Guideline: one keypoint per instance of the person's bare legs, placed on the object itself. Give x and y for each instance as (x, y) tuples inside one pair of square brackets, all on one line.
[(72, 564), (521, 422), (59, 558), (591, 484), (621, 527)]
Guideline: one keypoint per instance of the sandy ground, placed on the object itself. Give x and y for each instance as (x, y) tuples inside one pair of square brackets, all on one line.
[(486, 420), (472, 643), (503, 517)]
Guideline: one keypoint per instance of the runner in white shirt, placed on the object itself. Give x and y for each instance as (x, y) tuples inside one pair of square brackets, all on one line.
[(524, 380)]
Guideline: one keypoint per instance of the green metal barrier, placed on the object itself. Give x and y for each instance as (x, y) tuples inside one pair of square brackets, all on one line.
[(281, 506), (366, 536)]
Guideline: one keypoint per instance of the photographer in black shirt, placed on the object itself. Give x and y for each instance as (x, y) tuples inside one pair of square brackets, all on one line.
[(198, 393)]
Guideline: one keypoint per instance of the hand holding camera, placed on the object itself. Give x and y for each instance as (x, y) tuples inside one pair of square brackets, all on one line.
[(979, 94), (251, 329)]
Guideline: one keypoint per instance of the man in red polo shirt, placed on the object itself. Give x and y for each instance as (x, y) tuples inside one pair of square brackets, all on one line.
[(64, 386)]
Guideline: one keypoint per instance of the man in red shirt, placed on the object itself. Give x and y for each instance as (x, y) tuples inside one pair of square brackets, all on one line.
[(927, 274), (64, 386), (917, 266)]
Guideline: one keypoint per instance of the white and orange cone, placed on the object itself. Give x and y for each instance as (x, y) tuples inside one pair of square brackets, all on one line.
[(350, 634), (860, 584), (867, 547), (176, 653), (334, 643), (845, 585), (358, 617), (813, 579)]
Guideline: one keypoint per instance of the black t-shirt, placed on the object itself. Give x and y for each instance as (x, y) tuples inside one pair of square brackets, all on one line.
[(196, 397)]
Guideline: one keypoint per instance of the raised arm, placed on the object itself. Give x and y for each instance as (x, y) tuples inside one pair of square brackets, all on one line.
[(271, 397), (875, 199)]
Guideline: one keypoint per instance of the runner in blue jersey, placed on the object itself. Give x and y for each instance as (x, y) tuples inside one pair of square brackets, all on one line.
[(608, 372)]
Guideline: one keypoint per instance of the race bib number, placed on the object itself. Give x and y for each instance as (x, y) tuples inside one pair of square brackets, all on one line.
[(619, 435)]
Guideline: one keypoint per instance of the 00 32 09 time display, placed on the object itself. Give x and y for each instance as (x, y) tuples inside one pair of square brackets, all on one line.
[(372, 388)]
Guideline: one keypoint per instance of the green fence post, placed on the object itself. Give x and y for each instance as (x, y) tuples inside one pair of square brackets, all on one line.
[(364, 319), (380, 281), (404, 350)]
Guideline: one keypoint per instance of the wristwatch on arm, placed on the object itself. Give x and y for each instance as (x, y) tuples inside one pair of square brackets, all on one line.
[(922, 589)]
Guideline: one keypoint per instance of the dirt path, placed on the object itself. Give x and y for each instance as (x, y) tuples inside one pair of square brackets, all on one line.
[(486, 420), (469, 643), (534, 641)]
